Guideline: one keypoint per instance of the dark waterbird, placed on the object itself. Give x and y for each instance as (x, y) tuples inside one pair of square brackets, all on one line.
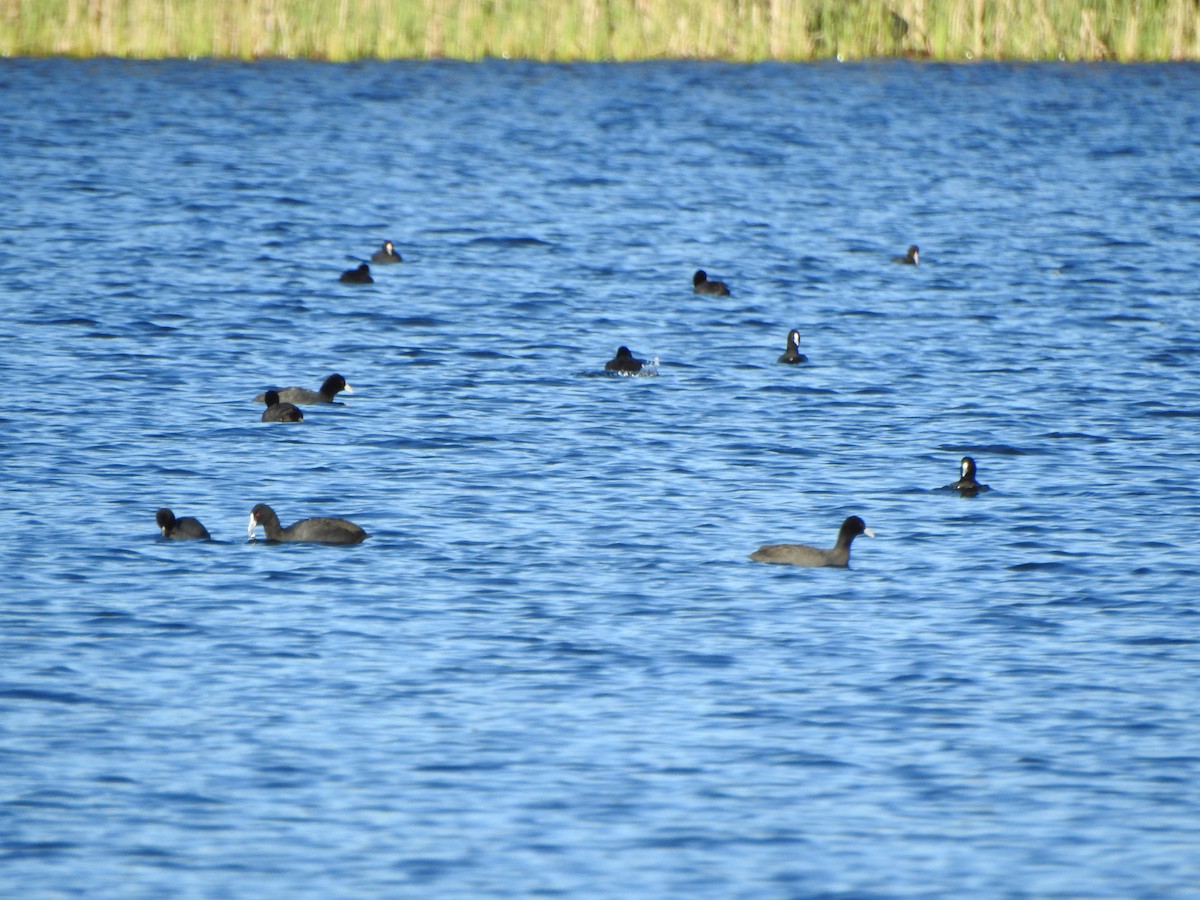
[(701, 285), (792, 354), (330, 388), (361, 275), (183, 529), (386, 254), (623, 362), (966, 484), (912, 258), (278, 411), (803, 555), (318, 530)]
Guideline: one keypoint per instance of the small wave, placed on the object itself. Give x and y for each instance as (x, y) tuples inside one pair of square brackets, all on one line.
[(578, 181), (708, 660), (451, 768), (982, 449), (488, 354), (13, 850), (47, 696), (185, 797), (1126, 317), (1045, 567), (1077, 435), (143, 852), (509, 242), (420, 322), (87, 323), (1174, 413)]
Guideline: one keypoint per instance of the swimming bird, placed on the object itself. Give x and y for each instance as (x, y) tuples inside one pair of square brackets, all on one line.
[(793, 354), (912, 258), (186, 528), (803, 555), (319, 530), (278, 411), (701, 285), (330, 387), (386, 254), (361, 275), (966, 485), (623, 362)]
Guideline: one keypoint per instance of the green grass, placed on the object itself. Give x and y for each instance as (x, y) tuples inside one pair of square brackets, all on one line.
[(743, 30)]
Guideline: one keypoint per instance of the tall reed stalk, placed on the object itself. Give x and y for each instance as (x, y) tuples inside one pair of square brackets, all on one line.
[(605, 29)]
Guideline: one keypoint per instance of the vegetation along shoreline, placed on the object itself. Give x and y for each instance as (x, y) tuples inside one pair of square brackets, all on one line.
[(602, 30)]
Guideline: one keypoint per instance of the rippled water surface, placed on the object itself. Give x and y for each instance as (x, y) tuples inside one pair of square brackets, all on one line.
[(552, 669)]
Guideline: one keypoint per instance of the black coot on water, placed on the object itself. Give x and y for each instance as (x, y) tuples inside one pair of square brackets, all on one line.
[(330, 388), (701, 285), (793, 355), (318, 530), (967, 485), (361, 275), (386, 254), (186, 528), (278, 411), (623, 362), (803, 555)]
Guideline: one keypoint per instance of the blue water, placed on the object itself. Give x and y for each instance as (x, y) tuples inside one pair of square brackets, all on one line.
[(552, 670)]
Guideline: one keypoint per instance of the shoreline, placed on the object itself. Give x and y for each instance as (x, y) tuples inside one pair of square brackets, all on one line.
[(737, 31)]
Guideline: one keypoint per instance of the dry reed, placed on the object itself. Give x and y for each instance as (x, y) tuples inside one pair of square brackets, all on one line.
[(742, 30)]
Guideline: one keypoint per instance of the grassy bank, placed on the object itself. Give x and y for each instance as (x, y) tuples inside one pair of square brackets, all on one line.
[(605, 29)]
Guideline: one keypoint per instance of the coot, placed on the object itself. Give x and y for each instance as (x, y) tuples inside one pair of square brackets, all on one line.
[(321, 530), (278, 411), (701, 285), (186, 528), (386, 254), (966, 484), (361, 275), (623, 362), (330, 388), (792, 354), (803, 555)]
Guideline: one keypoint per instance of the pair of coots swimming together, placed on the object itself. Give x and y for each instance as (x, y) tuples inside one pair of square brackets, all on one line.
[(852, 527), (281, 404), (626, 363), (362, 275), (317, 530)]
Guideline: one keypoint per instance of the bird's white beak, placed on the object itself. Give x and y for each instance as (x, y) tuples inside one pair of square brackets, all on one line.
[(869, 532), (348, 389), (250, 528)]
